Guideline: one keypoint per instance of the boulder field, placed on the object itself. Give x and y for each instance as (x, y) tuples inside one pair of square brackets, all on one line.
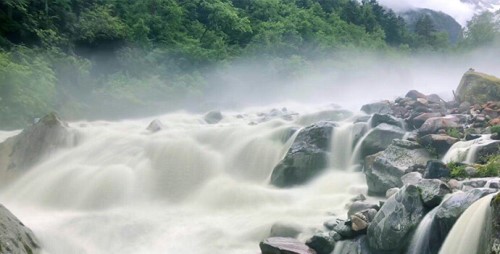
[(420, 153)]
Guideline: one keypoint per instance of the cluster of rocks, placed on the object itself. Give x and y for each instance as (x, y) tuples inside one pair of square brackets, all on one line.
[(400, 155)]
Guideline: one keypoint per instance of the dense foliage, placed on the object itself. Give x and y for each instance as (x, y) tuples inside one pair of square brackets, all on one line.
[(80, 56)]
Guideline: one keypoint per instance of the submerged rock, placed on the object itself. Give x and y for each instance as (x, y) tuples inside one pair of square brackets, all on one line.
[(324, 242), (213, 117), (14, 236), (306, 158), (385, 169), (284, 230), (35, 142), (380, 138), (155, 126), (392, 227), (283, 245)]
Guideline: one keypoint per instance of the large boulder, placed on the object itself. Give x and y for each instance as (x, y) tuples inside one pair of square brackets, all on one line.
[(383, 107), (15, 237), (385, 169), (378, 119), (432, 191), (34, 143), (283, 245), (392, 227), (450, 210), (441, 143), (379, 138), (476, 87), (434, 124), (306, 158)]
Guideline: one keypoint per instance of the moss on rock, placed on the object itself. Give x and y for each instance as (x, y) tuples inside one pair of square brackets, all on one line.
[(477, 87)]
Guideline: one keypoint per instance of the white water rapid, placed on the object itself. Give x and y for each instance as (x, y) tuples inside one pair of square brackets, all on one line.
[(468, 234), (190, 188), (465, 151)]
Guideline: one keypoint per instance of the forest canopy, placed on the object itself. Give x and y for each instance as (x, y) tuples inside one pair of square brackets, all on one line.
[(113, 58)]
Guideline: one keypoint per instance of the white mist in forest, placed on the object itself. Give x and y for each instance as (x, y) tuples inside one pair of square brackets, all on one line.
[(189, 188)]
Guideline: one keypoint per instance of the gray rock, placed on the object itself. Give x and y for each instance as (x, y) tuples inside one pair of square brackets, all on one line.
[(434, 124), (35, 143), (441, 143), (284, 230), (306, 158), (385, 169), (283, 245), (382, 107), (411, 178), (379, 138), (342, 227), (213, 117), (358, 245), (14, 236), (359, 206), (436, 169), (385, 118), (323, 242), (420, 119), (432, 191), (391, 192), (485, 149), (414, 94), (155, 126), (394, 224)]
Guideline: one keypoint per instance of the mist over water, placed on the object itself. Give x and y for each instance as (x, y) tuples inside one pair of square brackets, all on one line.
[(190, 188)]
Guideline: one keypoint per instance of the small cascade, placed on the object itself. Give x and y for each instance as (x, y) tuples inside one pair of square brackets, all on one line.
[(421, 238), (342, 146), (468, 235), (465, 151)]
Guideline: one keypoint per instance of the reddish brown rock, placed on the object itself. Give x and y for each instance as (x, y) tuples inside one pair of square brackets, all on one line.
[(284, 245)]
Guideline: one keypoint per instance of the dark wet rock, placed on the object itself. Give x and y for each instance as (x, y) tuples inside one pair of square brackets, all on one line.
[(378, 119), (382, 107), (283, 245), (306, 158), (155, 126), (433, 191), (414, 94), (470, 136), (436, 169), (15, 237), (379, 138), (385, 169), (34, 143), (342, 227), (485, 149), (213, 117), (359, 206), (392, 227), (420, 119), (359, 245), (494, 236), (434, 124), (324, 242), (440, 142), (450, 210), (285, 230)]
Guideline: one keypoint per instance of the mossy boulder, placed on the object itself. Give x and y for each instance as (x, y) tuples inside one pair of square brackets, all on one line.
[(476, 87)]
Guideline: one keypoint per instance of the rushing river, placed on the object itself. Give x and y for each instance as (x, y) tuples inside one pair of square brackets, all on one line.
[(189, 188)]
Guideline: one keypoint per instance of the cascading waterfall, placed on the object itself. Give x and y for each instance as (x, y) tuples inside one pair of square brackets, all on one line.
[(420, 242), (468, 234), (465, 151), (342, 146), (189, 188)]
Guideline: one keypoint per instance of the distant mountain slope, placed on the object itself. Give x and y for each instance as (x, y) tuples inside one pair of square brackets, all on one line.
[(442, 22)]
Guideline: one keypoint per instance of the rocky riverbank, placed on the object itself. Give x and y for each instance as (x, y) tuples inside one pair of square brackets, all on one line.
[(419, 152)]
